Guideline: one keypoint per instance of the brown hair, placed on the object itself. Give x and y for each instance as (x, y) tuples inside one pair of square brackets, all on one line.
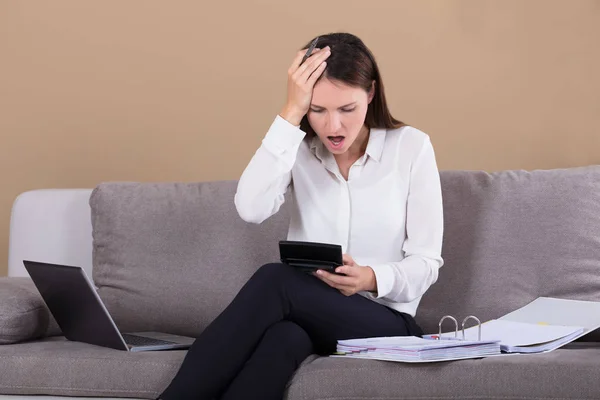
[(353, 64)]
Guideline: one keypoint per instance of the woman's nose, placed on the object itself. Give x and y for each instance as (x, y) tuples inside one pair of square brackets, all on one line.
[(333, 123)]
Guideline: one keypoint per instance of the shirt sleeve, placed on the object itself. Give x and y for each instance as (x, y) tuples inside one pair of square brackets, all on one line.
[(408, 279), (262, 186)]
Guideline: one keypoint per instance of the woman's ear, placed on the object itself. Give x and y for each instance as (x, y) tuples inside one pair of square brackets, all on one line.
[(372, 91)]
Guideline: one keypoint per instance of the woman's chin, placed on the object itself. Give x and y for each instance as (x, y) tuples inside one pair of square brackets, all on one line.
[(338, 151)]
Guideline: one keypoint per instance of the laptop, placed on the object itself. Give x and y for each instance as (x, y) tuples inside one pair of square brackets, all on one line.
[(82, 316)]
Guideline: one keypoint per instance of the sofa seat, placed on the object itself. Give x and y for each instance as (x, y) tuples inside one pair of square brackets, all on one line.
[(60, 367), (56, 366)]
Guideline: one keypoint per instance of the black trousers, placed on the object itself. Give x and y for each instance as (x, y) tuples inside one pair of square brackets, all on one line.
[(279, 317)]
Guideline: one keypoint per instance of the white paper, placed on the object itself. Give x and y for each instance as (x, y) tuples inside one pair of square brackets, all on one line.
[(404, 342), (552, 311)]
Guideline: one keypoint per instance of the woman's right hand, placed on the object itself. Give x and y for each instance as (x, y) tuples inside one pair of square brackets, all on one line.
[(301, 80)]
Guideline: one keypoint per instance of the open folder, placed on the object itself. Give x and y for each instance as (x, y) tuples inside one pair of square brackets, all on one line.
[(543, 325)]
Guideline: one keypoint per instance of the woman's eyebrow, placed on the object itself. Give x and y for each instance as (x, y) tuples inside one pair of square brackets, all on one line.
[(344, 106)]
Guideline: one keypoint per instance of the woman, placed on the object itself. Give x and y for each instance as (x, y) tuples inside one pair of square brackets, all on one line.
[(358, 178)]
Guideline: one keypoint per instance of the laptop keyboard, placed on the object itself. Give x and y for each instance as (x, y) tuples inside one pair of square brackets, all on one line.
[(134, 340)]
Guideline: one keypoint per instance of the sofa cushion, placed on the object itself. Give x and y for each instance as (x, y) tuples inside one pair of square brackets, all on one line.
[(512, 236), (23, 313), (55, 366), (170, 256)]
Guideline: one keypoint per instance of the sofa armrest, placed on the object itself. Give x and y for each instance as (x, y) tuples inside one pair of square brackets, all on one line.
[(50, 225), (23, 313)]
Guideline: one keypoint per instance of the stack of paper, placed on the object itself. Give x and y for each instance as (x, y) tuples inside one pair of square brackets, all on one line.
[(415, 349)]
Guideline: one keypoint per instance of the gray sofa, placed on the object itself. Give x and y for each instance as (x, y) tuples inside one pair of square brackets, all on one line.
[(170, 256)]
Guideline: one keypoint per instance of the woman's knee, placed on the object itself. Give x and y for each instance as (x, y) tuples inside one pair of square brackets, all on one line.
[(272, 272), (280, 278)]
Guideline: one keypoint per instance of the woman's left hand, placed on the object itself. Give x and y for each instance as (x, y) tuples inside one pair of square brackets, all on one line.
[(358, 277)]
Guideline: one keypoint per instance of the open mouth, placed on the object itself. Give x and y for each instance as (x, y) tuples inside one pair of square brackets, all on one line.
[(336, 141)]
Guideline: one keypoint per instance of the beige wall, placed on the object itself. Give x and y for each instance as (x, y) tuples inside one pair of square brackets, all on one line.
[(184, 90)]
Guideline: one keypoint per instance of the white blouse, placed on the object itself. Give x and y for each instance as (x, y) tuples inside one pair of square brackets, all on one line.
[(388, 215)]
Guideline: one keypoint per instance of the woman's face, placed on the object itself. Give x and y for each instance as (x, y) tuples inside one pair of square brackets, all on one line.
[(337, 113)]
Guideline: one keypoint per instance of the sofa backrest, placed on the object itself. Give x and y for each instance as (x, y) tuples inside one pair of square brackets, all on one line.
[(512, 236), (171, 256)]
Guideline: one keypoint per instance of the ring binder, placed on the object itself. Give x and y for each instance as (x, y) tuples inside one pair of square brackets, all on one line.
[(455, 325), (439, 337), (478, 324)]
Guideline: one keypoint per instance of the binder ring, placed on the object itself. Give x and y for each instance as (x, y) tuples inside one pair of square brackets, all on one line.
[(478, 323), (455, 324)]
